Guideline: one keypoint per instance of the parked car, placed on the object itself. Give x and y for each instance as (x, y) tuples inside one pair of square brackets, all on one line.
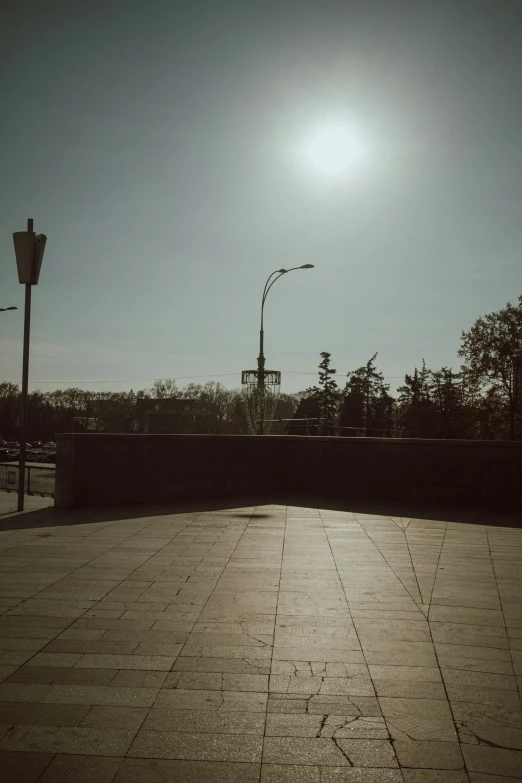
[(12, 444), (4, 455), (36, 455), (37, 444), (49, 446)]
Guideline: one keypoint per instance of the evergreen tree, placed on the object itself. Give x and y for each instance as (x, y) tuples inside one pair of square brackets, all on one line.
[(318, 402), (447, 398), (328, 390), (367, 403), (417, 410)]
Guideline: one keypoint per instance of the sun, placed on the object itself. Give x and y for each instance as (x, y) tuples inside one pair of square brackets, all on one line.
[(331, 148)]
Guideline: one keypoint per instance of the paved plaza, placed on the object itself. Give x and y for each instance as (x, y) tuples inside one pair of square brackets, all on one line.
[(255, 642)]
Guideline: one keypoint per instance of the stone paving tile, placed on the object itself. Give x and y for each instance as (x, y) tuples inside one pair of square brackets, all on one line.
[(315, 651), (17, 644), (406, 689), (225, 701), (227, 651), (467, 693), (228, 665), (39, 607), (94, 695), (196, 747), (223, 682), (6, 671), (468, 634), (45, 659), (366, 706), (303, 751), (437, 776), (42, 714), (136, 679), (457, 677), (339, 726), (418, 719), (85, 677), (204, 721), (146, 662), (64, 739), (428, 755), (23, 692), (410, 673), (288, 773), (363, 627), (81, 769), (360, 775), (23, 767), (115, 717), (160, 771), (493, 761), (91, 646)]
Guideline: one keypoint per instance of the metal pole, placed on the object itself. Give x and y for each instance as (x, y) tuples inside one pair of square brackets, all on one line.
[(261, 382), (25, 383)]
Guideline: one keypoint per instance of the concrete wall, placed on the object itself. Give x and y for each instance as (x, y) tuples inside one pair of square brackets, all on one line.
[(103, 469)]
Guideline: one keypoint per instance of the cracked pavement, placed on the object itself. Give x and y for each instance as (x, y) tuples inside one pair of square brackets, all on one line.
[(260, 642)]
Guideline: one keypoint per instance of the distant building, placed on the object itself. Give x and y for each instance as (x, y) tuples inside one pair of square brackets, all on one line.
[(170, 415), (283, 414), (90, 424)]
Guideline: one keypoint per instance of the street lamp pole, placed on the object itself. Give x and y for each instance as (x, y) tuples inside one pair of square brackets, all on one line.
[(25, 385), (29, 250), (261, 358)]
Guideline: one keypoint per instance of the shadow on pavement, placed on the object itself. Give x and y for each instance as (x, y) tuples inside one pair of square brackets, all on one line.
[(56, 517)]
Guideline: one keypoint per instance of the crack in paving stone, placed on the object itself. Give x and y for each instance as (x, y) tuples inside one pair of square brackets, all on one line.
[(400, 731), (321, 685), (346, 756), (344, 724), (484, 741), (492, 719), (321, 727), (251, 636)]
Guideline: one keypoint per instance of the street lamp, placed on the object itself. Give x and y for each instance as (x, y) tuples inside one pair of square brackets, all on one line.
[(5, 309), (29, 250), (261, 358)]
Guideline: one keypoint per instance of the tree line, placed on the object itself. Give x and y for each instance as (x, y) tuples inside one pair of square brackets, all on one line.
[(482, 400)]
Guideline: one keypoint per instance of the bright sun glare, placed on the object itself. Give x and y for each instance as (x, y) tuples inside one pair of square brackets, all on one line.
[(331, 149)]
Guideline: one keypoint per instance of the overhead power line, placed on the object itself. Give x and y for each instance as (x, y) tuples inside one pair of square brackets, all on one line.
[(192, 377)]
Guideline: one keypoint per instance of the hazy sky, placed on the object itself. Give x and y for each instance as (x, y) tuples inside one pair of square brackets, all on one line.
[(175, 153)]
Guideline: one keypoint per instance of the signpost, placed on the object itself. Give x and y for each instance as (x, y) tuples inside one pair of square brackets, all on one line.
[(29, 250)]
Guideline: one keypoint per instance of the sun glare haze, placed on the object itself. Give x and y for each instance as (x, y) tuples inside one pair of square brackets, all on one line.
[(331, 148)]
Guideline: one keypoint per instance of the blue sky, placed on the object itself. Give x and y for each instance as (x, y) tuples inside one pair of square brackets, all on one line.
[(167, 151)]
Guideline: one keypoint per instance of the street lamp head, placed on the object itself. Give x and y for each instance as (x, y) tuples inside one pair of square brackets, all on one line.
[(282, 271), (29, 250), (307, 266), (5, 309)]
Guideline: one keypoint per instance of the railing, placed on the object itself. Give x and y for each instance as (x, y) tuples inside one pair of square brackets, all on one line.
[(39, 479)]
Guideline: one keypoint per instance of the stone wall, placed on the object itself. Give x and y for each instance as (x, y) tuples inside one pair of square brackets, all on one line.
[(105, 469)]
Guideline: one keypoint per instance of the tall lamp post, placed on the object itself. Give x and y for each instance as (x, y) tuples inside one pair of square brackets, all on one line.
[(29, 250), (261, 358)]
